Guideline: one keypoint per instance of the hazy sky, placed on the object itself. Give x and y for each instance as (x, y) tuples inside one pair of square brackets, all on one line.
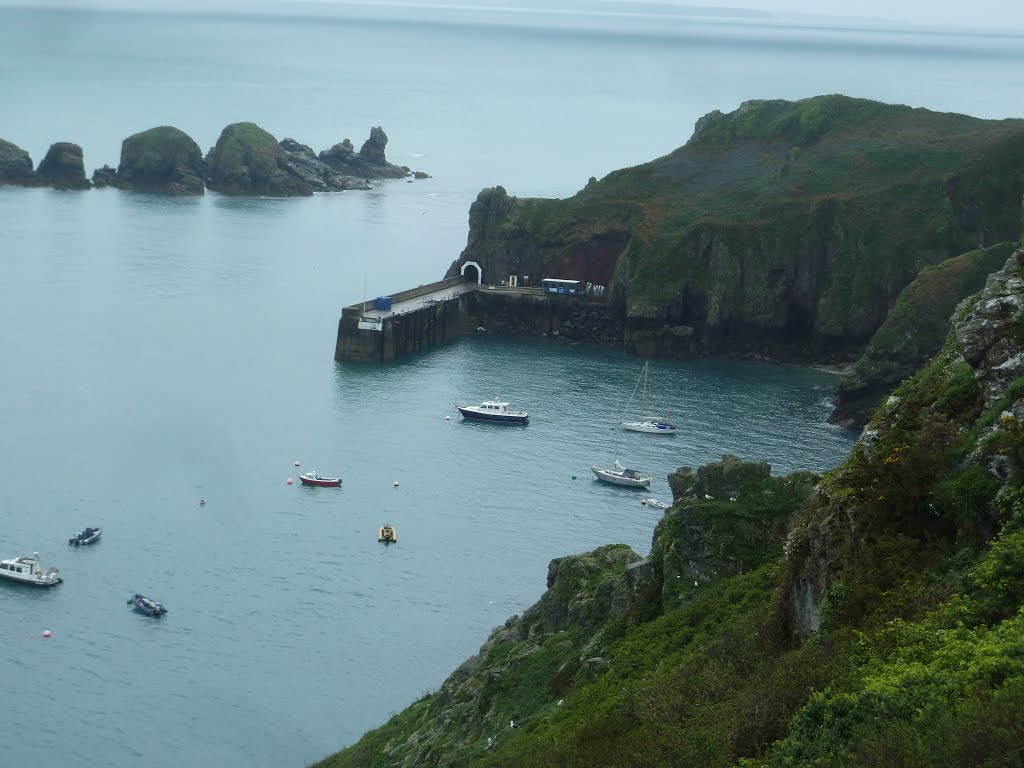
[(952, 15)]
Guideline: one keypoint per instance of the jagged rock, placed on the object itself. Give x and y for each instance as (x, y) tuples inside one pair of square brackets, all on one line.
[(104, 177), (62, 168), (163, 159), (303, 163), (990, 330), (718, 479), (369, 163), (247, 160), (16, 166)]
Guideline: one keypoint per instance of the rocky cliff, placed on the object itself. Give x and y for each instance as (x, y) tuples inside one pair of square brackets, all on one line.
[(782, 229), (164, 159), (16, 166), (913, 332)]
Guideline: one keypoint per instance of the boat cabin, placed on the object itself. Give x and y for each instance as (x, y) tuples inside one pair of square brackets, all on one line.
[(494, 406), (22, 565)]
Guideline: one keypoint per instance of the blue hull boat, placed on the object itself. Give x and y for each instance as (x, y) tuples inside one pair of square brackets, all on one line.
[(494, 411), (88, 536)]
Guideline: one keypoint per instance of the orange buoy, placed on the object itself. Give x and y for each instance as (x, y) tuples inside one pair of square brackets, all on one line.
[(289, 481)]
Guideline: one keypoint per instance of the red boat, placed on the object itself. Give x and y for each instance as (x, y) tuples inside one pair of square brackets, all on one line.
[(312, 478)]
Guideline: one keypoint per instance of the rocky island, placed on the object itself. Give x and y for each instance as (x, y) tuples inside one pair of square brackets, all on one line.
[(246, 161)]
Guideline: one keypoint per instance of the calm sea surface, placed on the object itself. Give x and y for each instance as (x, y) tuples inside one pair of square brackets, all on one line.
[(158, 351)]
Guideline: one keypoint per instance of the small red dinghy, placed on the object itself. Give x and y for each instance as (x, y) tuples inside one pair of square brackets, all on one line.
[(312, 478)]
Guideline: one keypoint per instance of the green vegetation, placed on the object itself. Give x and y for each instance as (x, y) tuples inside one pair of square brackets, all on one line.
[(247, 160), (878, 619), (783, 227)]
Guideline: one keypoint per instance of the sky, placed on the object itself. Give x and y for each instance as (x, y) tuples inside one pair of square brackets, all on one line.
[(947, 15)]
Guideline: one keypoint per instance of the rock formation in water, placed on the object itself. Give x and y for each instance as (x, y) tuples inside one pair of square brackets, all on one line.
[(369, 163), (163, 159), (247, 160), (783, 230), (16, 166), (63, 167)]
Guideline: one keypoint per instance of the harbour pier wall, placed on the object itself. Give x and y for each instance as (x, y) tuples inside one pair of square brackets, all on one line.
[(430, 315)]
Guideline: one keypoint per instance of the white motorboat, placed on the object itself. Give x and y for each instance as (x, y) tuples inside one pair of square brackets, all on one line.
[(643, 424), (656, 503), (26, 570), (620, 475)]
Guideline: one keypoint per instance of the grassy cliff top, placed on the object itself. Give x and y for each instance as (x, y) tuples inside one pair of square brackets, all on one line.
[(908, 183)]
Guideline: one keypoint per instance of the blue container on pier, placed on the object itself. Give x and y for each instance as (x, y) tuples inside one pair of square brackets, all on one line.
[(383, 302)]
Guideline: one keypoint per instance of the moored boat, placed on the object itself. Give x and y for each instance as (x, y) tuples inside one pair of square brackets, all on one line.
[(147, 606), (493, 410), (620, 475), (643, 424), (26, 570), (312, 478), (387, 534), (656, 503), (88, 536)]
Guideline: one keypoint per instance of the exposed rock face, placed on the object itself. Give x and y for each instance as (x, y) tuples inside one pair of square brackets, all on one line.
[(369, 163), (104, 177), (304, 164), (913, 332), (62, 168), (720, 479), (163, 159), (726, 518), (16, 166), (247, 160), (503, 246), (565, 319), (991, 331)]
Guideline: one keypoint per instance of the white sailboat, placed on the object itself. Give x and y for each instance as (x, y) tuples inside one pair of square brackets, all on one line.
[(621, 475), (650, 426)]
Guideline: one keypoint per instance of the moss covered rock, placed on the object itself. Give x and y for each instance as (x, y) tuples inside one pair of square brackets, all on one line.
[(63, 167), (248, 160), (16, 166), (162, 159)]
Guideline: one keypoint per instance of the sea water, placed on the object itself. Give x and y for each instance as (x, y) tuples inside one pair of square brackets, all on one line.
[(157, 351)]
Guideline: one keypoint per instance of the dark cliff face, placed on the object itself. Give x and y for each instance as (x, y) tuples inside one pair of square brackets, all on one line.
[(63, 167), (783, 229), (247, 160)]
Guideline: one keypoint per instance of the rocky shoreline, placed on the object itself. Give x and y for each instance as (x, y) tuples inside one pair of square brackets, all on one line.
[(246, 161)]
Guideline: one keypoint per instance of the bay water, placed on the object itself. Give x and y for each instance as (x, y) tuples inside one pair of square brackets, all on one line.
[(160, 351)]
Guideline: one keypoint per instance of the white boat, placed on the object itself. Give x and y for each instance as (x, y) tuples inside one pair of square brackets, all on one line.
[(26, 570), (656, 503), (650, 426), (620, 475)]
